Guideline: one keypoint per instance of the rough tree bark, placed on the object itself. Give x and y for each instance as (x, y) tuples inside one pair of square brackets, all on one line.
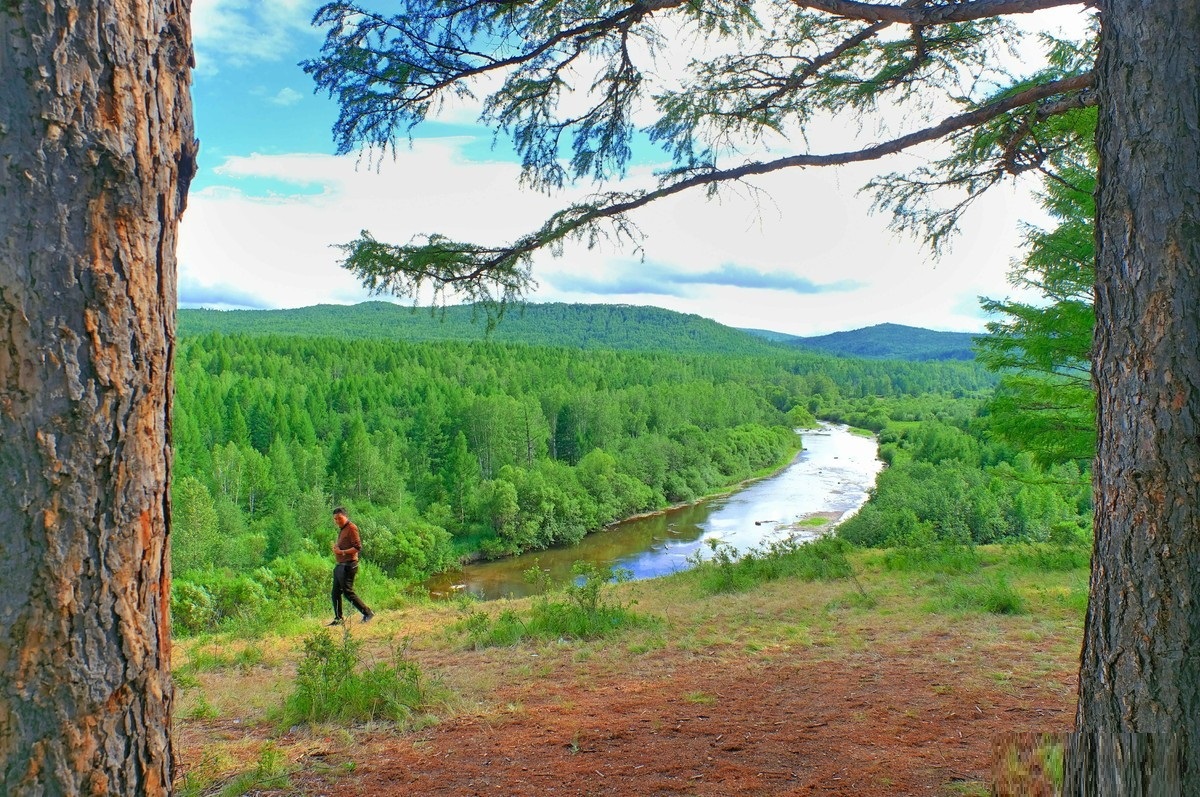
[(96, 151), (1138, 720)]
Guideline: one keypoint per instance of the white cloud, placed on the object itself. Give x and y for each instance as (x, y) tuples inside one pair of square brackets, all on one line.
[(252, 241), (241, 32), (278, 249), (286, 96)]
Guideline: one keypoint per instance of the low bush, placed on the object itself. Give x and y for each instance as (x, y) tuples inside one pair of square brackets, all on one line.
[(934, 557), (192, 608), (333, 685), (583, 610), (993, 596), (823, 559), (1051, 558)]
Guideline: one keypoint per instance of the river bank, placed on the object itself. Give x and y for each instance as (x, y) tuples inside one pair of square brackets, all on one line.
[(476, 557), (828, 478)]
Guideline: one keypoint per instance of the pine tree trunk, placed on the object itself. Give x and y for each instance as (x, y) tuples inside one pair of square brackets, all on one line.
[(96, 151), (1140, 667)]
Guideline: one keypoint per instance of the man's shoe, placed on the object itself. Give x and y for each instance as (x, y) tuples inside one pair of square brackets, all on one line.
[(336, 621), (367, 617)]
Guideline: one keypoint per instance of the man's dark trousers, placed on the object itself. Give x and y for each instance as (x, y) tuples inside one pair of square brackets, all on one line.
[(343, 584)]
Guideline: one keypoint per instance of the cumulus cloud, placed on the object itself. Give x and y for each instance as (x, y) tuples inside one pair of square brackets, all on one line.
[(286, 96), (808, 261), (744, 277), (241, 32), (622, 282), (219, 296), (665, 280)]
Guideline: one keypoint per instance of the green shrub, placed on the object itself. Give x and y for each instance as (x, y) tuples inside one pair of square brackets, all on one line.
[(936, 557), (724, 571), (332, 685), (1051, 558), (993, 596), (582, 610), (587, 610), (822, 559), (192, 608), (483, 632)]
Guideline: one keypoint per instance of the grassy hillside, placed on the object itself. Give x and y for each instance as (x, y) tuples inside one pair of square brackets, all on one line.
[(898, 680), (893, 342), (623, 327)]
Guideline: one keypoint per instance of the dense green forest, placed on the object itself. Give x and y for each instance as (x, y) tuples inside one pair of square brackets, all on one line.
[(448, 449), (893, 342), (581, 326), (952, 480)]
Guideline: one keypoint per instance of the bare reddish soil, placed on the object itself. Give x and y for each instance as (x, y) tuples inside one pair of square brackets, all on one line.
[(878, 725), (869, 709)]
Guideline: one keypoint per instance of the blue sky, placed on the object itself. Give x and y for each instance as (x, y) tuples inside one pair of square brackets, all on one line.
[(272, 200)]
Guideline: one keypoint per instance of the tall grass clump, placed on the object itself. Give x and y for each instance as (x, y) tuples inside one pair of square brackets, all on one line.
[(993, 596), (1050, 558), (333, 684), (823, 559), (1067, 547), (270, 773), (942, 556), (585, 609)]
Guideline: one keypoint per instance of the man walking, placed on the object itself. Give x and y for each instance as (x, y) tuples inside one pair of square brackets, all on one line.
[(345, 551)]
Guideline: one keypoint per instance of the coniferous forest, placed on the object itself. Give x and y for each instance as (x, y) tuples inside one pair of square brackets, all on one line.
[(450, 449)]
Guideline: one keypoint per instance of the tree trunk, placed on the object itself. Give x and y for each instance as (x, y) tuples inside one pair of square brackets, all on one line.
[(96, 151), (1126, 764), (1140, 667)]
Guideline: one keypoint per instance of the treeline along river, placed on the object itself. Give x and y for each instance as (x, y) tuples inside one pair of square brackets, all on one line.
[(829, 479), (443, 449)]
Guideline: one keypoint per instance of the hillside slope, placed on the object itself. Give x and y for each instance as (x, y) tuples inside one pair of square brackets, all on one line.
[(893, 342), (624, 327), (584, 326)]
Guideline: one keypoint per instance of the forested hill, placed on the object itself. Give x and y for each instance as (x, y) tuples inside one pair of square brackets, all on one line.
[(601, 326), (892, 342)]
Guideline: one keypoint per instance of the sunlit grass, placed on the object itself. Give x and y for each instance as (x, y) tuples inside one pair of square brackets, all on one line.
[(826, 622)]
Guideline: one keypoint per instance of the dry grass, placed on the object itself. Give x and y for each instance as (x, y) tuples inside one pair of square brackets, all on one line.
[(819, 623)]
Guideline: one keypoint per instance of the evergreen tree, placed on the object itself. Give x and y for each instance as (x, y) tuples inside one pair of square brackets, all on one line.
[(1045, 403), (461, 476), (195, 535), (349, 464), (283, 486)]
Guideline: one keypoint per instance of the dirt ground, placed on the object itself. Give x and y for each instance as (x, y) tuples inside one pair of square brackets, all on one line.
[(872, 711), (877, 727)]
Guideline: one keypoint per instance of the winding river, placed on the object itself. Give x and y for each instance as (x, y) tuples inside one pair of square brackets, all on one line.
[(829, 479)]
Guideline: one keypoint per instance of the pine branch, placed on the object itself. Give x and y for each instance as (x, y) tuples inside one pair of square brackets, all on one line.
[(502, 273), (933, 14)]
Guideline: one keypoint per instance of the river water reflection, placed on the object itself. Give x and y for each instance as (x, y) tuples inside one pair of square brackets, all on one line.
[(830, 478)]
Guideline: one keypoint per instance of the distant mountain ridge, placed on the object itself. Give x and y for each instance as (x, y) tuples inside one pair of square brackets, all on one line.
[(892, 342), (599, 326), (586, 326)]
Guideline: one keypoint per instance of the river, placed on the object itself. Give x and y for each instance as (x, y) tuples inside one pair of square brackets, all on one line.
[(829, 479)]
